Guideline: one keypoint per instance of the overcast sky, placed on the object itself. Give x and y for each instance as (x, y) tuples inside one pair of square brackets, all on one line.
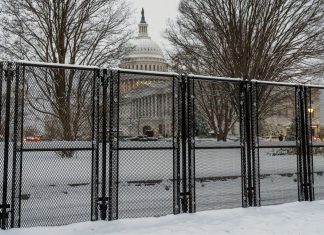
[(157, 13)]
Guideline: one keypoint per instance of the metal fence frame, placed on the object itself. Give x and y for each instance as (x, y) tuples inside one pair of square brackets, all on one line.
[(105, 161)]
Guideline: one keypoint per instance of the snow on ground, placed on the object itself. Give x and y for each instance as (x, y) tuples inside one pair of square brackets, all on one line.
[(293, 218), (57, 191)]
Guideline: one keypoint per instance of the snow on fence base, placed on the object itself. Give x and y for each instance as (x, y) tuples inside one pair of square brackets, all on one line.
[(291, 218), (130, 144)]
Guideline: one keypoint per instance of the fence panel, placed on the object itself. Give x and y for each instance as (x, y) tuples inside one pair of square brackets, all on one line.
[(215, 144), (147, 144), (277, 144), (57, 139), (316, 111)]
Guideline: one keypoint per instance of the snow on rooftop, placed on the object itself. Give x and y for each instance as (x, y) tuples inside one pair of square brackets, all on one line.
[(293, 218)]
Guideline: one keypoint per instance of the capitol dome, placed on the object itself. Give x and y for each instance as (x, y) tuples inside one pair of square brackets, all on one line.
[(146, 54)]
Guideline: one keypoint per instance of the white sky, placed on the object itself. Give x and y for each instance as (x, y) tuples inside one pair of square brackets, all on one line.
[(157, 13)]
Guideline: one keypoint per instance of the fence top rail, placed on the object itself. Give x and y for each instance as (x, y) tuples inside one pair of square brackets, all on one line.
[(276, 83), (287, 84), (144, 72), (56, 65), (214, 78), (157, 73), (315, 86)]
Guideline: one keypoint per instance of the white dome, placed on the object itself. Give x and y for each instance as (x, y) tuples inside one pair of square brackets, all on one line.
[(145, 54), (145, 47)]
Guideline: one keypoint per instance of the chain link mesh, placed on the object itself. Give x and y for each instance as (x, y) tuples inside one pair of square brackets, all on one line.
[(316, 111), (58, 148), (147, 132), (217, 145), (277, 144)]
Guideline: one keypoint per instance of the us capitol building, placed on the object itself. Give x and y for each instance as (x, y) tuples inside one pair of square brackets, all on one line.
[(146, 101)]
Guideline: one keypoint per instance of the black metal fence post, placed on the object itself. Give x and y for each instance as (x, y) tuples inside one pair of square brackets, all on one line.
[(248, 132), (299, 142), (191, 144), (310, 169), (17, 146), (95, 144), (177, 132), (4, 205), (254, 145), (307, 184), (183, 194), (305, 155), (243, 140), (114, 85), (303, 144), (103, 199)]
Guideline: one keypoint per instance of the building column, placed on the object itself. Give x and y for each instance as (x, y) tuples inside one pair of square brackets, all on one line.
[(151, 107), (159, 106), (156, 106), (169, 103), (146, 106), (135, 108), (163, 105), (138, 108), (166, 104), (142, 107)]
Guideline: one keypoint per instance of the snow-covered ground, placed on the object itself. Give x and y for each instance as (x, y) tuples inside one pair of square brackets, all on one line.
[(293, 218), (57, 190)]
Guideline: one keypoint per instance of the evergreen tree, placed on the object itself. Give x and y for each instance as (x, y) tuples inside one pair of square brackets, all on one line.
[(201, 125), (291, 132)]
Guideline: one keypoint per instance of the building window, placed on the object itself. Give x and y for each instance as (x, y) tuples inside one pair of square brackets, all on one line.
[(150, 68), (153, 67)]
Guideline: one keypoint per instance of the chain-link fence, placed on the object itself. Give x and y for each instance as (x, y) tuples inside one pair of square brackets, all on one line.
[(147, 142), (53, 139), (84, 143), (316, 112), (277, 143), (216, 142), (58, 146)]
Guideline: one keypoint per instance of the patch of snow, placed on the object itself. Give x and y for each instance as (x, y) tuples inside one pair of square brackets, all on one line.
[(293, 218)]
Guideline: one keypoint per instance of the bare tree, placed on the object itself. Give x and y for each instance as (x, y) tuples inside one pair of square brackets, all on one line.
[(215, 105), (274, 40), (86, 32), (90, 32)]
